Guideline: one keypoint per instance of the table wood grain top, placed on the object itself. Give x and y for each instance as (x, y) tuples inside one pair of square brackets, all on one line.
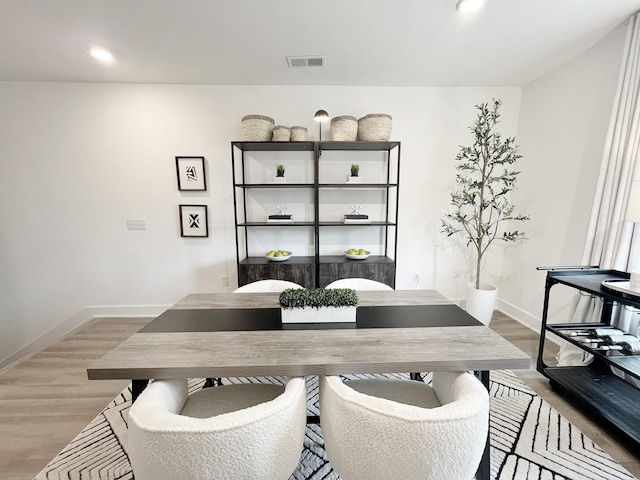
[(308, 352)]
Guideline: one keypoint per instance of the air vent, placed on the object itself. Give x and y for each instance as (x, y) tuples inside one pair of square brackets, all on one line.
[(315, 61)]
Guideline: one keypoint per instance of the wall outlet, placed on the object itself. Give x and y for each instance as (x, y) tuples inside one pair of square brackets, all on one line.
[(224, 280), (136, 223), (416, 279)]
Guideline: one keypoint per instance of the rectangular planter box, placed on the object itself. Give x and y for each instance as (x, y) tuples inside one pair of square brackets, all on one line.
[(318, 315)]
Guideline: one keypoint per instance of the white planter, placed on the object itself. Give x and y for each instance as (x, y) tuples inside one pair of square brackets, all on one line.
[(318, 315), (354, 179), (278, 179), (481, 302)]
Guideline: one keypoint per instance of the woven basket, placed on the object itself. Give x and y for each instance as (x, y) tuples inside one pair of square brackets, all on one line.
[(281, 133), (344, 128), (298, 134), (257, 128), (375, 127)]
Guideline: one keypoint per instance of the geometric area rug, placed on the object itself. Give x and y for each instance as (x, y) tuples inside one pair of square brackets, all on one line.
[(528, 438)]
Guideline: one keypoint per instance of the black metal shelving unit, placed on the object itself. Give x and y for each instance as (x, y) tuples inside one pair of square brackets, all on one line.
[(594, 387), (317, 270)]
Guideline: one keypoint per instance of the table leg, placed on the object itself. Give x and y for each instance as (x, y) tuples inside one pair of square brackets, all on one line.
[(137, 387), (484, 469)]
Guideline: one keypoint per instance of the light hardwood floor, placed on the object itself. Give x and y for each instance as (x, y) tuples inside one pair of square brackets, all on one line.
[(46, 399)]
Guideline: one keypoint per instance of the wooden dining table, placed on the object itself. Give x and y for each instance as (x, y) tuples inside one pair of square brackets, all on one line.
[(240, 334)]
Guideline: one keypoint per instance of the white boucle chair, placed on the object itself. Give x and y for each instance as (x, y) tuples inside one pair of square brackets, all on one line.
[(359, 284), (269, 285), (391, 429), (246, 431)]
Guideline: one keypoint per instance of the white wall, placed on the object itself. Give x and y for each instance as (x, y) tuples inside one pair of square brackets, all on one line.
[(78, 159), (563, 123)]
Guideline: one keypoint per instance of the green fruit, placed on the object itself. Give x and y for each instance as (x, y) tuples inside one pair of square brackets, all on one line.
[(362, 252), (271, 254)]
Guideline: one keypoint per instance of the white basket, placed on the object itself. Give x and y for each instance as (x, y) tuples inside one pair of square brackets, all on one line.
[(281, 133), (375, 127), (257, 128), (298, 134), (344, 128)]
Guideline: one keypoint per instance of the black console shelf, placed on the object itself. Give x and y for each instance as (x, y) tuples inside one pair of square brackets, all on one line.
[(594, 387)]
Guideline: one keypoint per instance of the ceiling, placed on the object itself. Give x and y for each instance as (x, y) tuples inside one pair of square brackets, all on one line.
[(246, 42)]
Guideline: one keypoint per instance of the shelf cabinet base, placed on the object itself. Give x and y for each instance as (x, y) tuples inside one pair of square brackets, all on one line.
[(302, 270)]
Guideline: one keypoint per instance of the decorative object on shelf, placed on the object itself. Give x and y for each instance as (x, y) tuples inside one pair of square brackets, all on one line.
[(281, 134), (298, 133), (278, 255), (190, 172), (279, 178), (355, 216), (193, 221), (357, 253), (320, 116), (480, 202), (344, 128), (257, 128), (318, 305), (355, 174), (280, 217), (375, 127)]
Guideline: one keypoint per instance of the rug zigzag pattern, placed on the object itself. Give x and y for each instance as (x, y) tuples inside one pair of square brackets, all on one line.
[(529, 439)]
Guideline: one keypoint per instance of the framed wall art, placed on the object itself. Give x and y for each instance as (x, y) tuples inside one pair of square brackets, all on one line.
[(190, 172), (193, 221)]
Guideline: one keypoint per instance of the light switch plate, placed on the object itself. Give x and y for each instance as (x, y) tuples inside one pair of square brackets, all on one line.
[(136, 223)]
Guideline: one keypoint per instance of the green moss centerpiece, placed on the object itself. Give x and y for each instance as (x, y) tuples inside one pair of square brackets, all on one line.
[(318, 305)]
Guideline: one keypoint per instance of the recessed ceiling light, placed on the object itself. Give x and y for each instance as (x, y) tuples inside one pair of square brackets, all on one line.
[(468, 6), (100, 53)]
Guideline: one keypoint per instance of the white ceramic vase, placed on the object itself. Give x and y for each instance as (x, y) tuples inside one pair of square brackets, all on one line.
[(481, 302)]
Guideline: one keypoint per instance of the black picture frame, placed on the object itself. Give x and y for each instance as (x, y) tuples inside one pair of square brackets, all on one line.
[(191, 174), (194, 221)]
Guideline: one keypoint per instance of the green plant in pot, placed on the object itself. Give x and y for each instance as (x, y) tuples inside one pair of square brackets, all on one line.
[(480, 205), (280, 171), (355, 170), (318, 305)]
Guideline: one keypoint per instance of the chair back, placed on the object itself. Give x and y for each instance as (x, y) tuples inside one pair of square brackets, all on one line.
[(359, 284), (269, 285), (263, 440), (407, 430)]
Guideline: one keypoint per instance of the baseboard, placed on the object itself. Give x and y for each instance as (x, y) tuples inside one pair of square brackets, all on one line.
[(43, 341), (524, 318), (127, 310), (83, 316), (519, 315)]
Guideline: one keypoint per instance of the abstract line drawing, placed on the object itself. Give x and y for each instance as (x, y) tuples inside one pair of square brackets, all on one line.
[(191, 173)]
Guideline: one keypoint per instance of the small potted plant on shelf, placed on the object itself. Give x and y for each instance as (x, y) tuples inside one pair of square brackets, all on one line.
[(318, 305), (355, 173), (480, 203), (279, 178)]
